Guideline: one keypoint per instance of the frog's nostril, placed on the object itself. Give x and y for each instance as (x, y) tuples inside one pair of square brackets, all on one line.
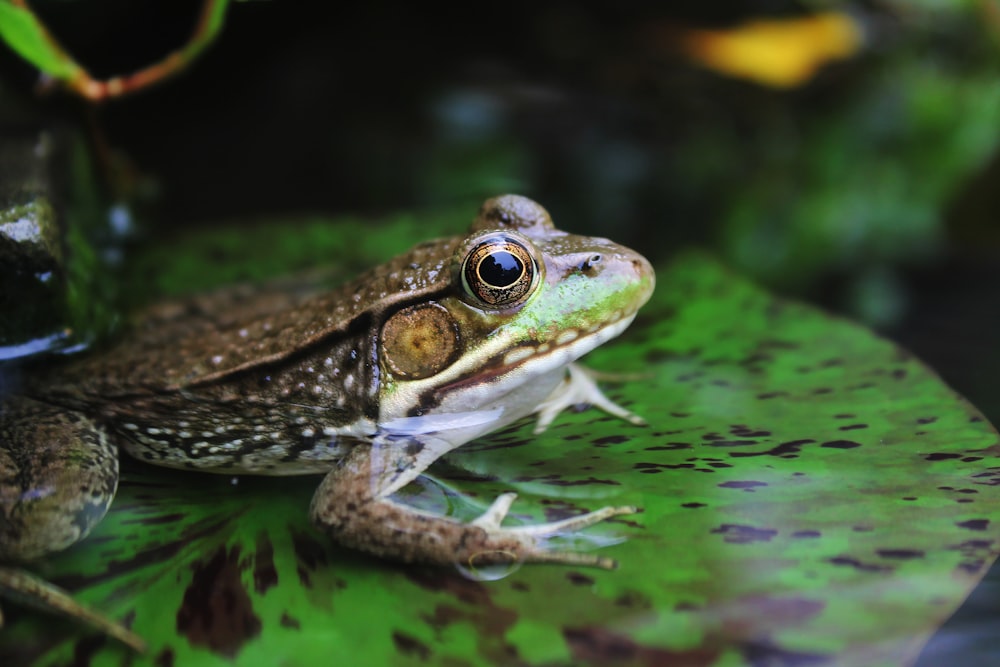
[(591, 262)]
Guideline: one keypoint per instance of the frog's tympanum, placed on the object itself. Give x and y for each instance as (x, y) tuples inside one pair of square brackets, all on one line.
[(370, 384)]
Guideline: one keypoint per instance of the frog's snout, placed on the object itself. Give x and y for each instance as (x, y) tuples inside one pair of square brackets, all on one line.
[(640, 273)]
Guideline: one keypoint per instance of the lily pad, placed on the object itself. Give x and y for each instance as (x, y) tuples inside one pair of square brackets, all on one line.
[(812, 494)]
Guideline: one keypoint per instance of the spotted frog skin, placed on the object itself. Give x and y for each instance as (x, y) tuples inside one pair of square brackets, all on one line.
[(369, 384)]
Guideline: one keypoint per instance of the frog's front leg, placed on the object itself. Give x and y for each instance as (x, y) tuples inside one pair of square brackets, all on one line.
[(354, 506), (58, 475)]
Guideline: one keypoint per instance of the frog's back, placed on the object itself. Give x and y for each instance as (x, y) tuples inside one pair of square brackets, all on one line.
[(260, 381), (209, 339)]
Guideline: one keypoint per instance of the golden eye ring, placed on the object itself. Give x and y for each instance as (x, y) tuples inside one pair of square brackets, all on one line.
[(499, 272)]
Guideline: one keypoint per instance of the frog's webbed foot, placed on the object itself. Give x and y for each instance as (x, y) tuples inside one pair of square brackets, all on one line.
[(529, 537), (20, 586), (580, 387)]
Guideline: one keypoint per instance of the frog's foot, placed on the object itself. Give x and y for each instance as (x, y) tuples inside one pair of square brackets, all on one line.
[(29, 590), (529, 537), (580, 387)]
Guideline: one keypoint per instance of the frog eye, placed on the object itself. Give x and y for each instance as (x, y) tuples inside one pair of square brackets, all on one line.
[(499, 272)]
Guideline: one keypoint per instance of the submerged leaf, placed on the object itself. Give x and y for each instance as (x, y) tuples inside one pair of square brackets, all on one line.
[(810, 492)]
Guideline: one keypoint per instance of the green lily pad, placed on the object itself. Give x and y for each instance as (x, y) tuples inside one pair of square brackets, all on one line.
[(811, 494)]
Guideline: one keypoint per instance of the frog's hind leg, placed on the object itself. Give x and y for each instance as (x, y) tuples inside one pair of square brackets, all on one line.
[(58, 475), (353, 506)]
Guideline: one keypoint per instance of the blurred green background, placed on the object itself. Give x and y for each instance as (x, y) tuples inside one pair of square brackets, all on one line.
[(867, 185)]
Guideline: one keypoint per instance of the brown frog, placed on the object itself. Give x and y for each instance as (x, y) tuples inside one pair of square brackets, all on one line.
[(370, 383)]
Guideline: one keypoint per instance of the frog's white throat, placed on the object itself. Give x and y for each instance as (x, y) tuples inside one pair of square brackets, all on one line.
[(501, 399)]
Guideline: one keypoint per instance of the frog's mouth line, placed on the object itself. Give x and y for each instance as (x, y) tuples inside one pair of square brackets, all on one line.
[(560, 352), (572, 340)]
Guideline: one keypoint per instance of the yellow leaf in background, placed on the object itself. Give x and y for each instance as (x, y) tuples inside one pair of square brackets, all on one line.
[(782, 53)]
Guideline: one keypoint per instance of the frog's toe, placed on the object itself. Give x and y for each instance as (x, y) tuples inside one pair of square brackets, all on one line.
[(494, 516), (534, 554), (573, 523), (527, 543)]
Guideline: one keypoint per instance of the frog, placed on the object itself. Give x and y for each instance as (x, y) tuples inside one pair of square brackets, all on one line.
[(369, 384)]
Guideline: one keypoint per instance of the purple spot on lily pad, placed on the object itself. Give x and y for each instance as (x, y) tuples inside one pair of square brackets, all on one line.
[(974, 524), (670, 446), (658, 467), (785, 450), (853, 427), (740, 534), (941, 456), (771, 394), (743, 431), (610, 440), (748, 485), (974, 544), (217, 612), (900, 554), (265, 575), (633, 600), (971, 567), (859, 565), (411, 646), (841, 444), (732, 443)]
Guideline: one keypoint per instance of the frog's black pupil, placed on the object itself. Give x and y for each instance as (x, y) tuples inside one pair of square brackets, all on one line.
[(500, 269)]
